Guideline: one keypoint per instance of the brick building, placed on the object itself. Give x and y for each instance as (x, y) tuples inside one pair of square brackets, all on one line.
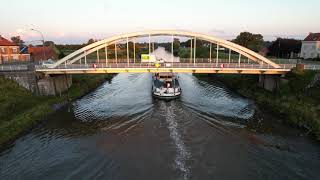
[(10, 52)]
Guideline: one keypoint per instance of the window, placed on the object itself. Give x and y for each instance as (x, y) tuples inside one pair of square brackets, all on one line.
[(15, 50), (3, 50)]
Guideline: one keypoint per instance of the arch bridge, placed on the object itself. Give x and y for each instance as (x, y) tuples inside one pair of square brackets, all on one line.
[(103, 57)]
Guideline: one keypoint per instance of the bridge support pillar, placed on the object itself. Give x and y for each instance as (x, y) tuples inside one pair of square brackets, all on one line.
[(269, 82), (54, 85), (26, 79)]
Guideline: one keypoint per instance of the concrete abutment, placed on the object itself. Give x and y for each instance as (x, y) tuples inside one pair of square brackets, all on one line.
[(54, 84), (269, 82), (41, 84)]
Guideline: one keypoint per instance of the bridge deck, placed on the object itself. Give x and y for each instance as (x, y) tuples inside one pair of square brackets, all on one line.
[(176, 67)]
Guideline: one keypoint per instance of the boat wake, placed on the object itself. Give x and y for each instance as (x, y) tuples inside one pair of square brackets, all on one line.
[(182, 153)]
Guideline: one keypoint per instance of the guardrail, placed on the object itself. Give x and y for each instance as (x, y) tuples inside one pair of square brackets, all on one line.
[(312, 67), (6, 68), (295, 61)]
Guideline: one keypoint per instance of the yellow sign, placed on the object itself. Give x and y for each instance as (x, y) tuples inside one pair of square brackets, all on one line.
[(157, 65), (145, 58)]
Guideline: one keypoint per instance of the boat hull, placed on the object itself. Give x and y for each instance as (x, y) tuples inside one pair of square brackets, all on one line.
[(166, 97)]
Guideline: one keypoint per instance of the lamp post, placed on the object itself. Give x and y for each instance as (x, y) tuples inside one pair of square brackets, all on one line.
[(44, 54)]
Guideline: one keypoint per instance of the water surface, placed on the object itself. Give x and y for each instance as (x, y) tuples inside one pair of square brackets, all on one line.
[(120, 132)]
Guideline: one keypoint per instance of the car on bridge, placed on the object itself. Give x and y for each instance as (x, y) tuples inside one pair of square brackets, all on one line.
[(47, 63)]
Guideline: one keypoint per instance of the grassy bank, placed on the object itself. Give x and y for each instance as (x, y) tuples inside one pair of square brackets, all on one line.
[(20, 110), (294, 103)]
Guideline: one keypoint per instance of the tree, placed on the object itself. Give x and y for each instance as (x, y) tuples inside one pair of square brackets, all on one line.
[(250, 41), (17, 40), (283, 48), (61, 55), (90, 41), (176, 46), (49, 43)]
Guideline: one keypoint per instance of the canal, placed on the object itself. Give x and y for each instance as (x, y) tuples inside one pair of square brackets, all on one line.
[(120, 132)]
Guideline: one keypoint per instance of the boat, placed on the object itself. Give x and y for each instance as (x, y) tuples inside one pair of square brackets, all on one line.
[(165, 86)]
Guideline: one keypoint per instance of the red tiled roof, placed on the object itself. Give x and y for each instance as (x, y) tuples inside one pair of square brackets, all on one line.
[(5, 42), (37, 52), (39, 49), (313, 37)]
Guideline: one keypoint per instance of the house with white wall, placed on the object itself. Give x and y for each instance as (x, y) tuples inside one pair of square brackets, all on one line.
[(311, 46)]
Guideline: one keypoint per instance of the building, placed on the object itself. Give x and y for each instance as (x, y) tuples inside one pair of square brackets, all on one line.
[(10, 52), (40, 53), (311, 46)]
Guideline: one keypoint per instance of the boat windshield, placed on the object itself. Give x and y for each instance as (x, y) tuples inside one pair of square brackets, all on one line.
[(164, 75), (166, 84)]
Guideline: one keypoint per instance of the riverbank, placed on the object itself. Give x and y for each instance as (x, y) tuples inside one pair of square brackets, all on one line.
[(295, 103), (20, 110)]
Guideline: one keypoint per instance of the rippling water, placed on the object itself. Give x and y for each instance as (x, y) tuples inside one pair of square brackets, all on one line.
[(120, 132)]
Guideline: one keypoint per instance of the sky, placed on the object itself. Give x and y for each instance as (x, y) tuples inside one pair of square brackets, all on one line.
[(75, 21)]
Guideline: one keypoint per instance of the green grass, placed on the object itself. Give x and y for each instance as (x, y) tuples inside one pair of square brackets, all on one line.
[(296, 105), (22, 121), (15, 99), (20, 110)]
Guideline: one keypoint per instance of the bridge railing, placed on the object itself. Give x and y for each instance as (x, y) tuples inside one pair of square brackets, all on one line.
[(169, 65)]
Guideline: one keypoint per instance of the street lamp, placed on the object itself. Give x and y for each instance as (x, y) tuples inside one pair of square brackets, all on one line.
[(44, 54)]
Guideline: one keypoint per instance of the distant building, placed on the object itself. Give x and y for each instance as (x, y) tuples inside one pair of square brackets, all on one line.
[(311, 46), (10, 52), (39, 53)]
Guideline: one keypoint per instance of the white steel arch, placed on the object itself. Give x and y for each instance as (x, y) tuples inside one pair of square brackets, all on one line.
[(77, 55)]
